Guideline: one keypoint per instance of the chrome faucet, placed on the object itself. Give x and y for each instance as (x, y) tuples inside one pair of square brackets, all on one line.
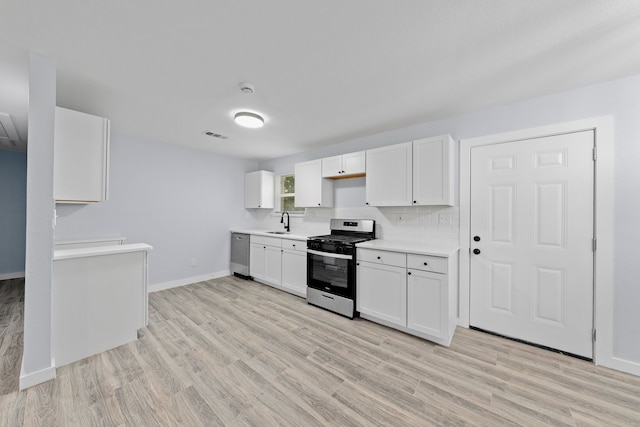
[(286, 226)]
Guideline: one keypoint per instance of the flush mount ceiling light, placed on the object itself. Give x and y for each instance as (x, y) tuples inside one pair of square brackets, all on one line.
[(249, 120)]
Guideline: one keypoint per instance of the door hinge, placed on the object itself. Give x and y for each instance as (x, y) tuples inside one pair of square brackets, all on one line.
[(595, 154), (593, 335), (594, 244)]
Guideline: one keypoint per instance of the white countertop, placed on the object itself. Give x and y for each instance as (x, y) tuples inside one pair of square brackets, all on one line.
[(290, 236), (99, 250), (91, 240), (443, 248)]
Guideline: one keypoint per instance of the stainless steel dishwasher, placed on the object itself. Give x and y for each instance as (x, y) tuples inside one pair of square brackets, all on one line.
[(240, 255)]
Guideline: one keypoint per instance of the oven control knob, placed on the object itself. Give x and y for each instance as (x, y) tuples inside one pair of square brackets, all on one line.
[(339, 249)]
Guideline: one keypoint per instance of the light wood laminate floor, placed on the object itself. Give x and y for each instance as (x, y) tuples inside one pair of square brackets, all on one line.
[(11, 326), (238, 353)]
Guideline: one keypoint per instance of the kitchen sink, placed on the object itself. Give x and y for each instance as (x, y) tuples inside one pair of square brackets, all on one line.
[(277, 232)]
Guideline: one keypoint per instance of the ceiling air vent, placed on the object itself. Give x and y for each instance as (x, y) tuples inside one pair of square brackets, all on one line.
[(8, 133), (214, 135)]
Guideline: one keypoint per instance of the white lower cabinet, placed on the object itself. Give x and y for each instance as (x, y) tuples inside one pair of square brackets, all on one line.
[(281, 263), (294, 267), (381, 289), (414, 293), (256, 260), (99, 299), (273, 266), (265, 260), (426, 297)]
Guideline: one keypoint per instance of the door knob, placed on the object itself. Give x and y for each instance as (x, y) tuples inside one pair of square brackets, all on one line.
[(476, 251), (476, 238)]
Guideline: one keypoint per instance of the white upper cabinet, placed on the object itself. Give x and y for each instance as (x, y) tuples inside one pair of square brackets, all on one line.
[(346, 165), (389, 176), (411, 174), (312, 190), (259, 190), (433, 171), (81, 157)]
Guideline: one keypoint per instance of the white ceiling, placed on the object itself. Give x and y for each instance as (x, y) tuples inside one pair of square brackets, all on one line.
[(324, 71)]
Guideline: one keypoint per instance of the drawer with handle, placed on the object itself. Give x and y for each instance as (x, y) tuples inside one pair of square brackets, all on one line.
[(266, 241), (294, 245), (427, 263), (397, 259)]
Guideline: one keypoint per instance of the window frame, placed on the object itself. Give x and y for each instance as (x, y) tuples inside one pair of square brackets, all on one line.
[(279, 196)]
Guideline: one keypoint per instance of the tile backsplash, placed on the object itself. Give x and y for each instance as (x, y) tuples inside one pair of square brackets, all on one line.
[(394, 223)]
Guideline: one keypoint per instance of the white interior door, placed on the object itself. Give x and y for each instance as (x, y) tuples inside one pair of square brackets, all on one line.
[(531, 235)]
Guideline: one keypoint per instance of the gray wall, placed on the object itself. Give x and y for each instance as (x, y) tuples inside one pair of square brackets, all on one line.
[(13, 215), (620, 98), (181, 201), (39, 246)]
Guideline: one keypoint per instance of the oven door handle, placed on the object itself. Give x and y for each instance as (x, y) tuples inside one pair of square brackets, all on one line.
[(329, 255)]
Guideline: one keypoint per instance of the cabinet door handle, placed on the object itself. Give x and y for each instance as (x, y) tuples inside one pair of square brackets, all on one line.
[(409, 273), (378, 257), (426, 263), (414, 202)]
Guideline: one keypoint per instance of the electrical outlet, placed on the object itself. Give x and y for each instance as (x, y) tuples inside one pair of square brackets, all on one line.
[(194, 262), (444, 219)]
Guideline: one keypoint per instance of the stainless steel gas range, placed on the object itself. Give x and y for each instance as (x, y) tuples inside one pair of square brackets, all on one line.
[(331, 271)]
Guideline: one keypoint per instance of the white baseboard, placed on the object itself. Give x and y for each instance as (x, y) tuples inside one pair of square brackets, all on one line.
[(16, 275), (187, 281), (37, 377), (622, 365)]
